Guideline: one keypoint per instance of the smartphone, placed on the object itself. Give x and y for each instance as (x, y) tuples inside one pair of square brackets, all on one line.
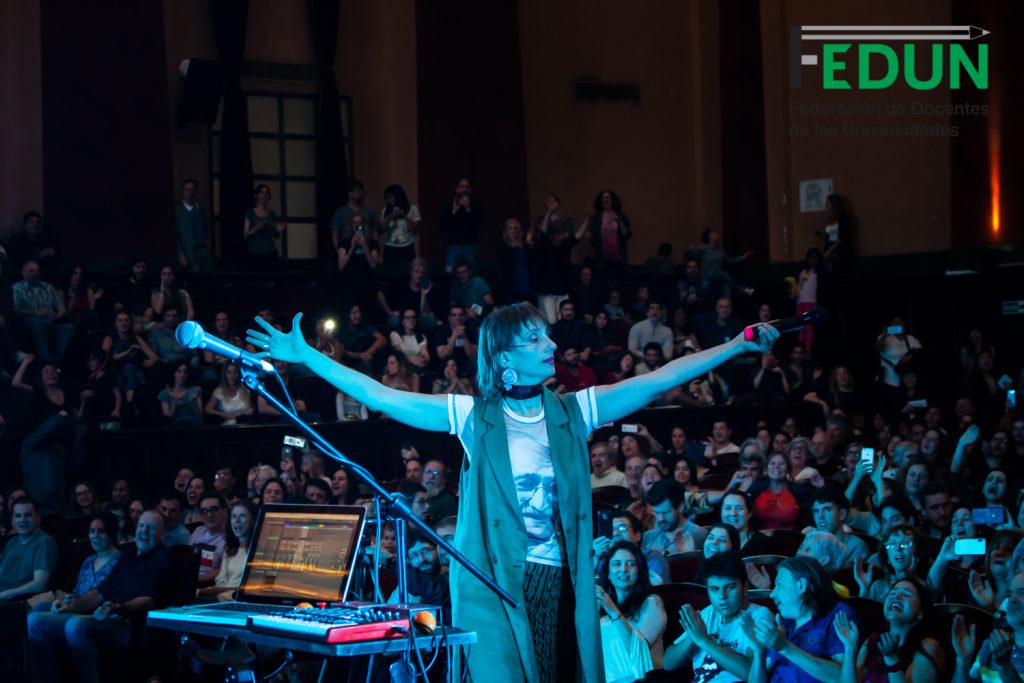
[(867, 455), (1011, 398), (919, 403), (425, 281), (989, 516), (604, 523), (297, 441), (630, 429), (969, 546), (894, 329)]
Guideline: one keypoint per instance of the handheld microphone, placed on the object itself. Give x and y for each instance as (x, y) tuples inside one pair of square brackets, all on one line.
[(191, 335), (815, 316)]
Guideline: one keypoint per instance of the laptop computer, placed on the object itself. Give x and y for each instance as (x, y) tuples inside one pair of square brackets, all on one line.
[(298, 553)]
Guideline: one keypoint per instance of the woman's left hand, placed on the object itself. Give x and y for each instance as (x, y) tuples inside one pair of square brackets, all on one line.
[(605, 601)]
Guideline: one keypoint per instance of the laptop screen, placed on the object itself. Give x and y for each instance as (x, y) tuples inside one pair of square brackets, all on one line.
[(302, 553)]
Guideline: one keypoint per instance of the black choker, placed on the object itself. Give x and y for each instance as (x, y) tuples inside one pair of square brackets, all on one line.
[(520, 391)]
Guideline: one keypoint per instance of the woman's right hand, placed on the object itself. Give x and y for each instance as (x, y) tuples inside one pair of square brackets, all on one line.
[(290, 347)]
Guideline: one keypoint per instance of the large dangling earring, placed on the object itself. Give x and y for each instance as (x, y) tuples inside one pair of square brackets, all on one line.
[(508, 378)]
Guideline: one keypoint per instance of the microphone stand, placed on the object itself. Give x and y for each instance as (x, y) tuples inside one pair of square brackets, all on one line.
[(396, 505)]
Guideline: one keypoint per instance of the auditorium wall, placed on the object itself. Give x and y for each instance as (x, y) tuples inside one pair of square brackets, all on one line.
[(21, 114), (661, 154)]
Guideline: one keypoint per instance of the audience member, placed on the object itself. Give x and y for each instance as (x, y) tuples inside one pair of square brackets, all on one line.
[(208, 538), (360, 341), (171, 505), (633, 620), (95, 568), (400, 224), (603, 471), (195, 239), (342, 220), (164, 344), (236, 544), (569, 331), (461, 225), (610, 230), (130, 355), (411, 294), (651, 330), (672, 532), (261, 229), (181, 403), (358, 258), (570, 374), (515, 254), (29, 558), (170, 295), (714, 638), (712, 257), (801, 644), (40, 311), (231, 399), (411, 342), (104, 618), (452, 382), (554, 238), (470, 292), (456, 340)]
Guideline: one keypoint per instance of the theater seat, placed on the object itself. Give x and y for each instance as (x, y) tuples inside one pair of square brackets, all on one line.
[(683, 566), (773, 542), (674, 596)]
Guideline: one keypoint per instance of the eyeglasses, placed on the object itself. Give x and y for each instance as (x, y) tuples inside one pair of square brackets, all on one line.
[(210, 510), (436, 473), (221, 475), (621, 528), (902, 545)]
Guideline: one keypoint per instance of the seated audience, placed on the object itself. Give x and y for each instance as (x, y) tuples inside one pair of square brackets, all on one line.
[(95, 568), (470, 292), (603, 471), (397, 375), (801, 644), (130, 355), (164, 344), (633, 620), (410, 341), (907, 651), (231, 399), (236, 545), (104, 618), (714, 638), (359, 341), (570, 373), (672, 532), (1000, 657), (208, 538), (452, 382), (171, 505), (650, 330), (170, 295), (180, 403), (902, 554), (29, 557), (40, 311), (435, 480)]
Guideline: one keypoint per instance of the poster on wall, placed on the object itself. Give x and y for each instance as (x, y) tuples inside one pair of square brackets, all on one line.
[(813, 194)]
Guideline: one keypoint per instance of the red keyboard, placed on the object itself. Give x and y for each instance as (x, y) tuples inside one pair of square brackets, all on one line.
[(336, 625)]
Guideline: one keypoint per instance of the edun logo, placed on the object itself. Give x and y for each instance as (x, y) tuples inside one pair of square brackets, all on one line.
[(876, 57)]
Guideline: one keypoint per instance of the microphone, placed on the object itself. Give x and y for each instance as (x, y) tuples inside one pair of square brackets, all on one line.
[(191, 335), (815, 316)]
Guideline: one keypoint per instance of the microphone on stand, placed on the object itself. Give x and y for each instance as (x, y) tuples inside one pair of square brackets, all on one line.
[(191, 335), (815, 317)]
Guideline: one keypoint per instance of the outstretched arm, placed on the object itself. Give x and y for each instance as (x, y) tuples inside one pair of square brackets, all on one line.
[(422, 411), (616, 401)]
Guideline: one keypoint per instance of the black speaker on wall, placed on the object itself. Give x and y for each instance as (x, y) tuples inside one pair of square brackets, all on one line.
[(204, 85)]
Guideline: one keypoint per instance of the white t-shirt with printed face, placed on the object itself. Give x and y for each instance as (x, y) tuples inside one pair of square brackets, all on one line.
[(706, 669), (533, 473)]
